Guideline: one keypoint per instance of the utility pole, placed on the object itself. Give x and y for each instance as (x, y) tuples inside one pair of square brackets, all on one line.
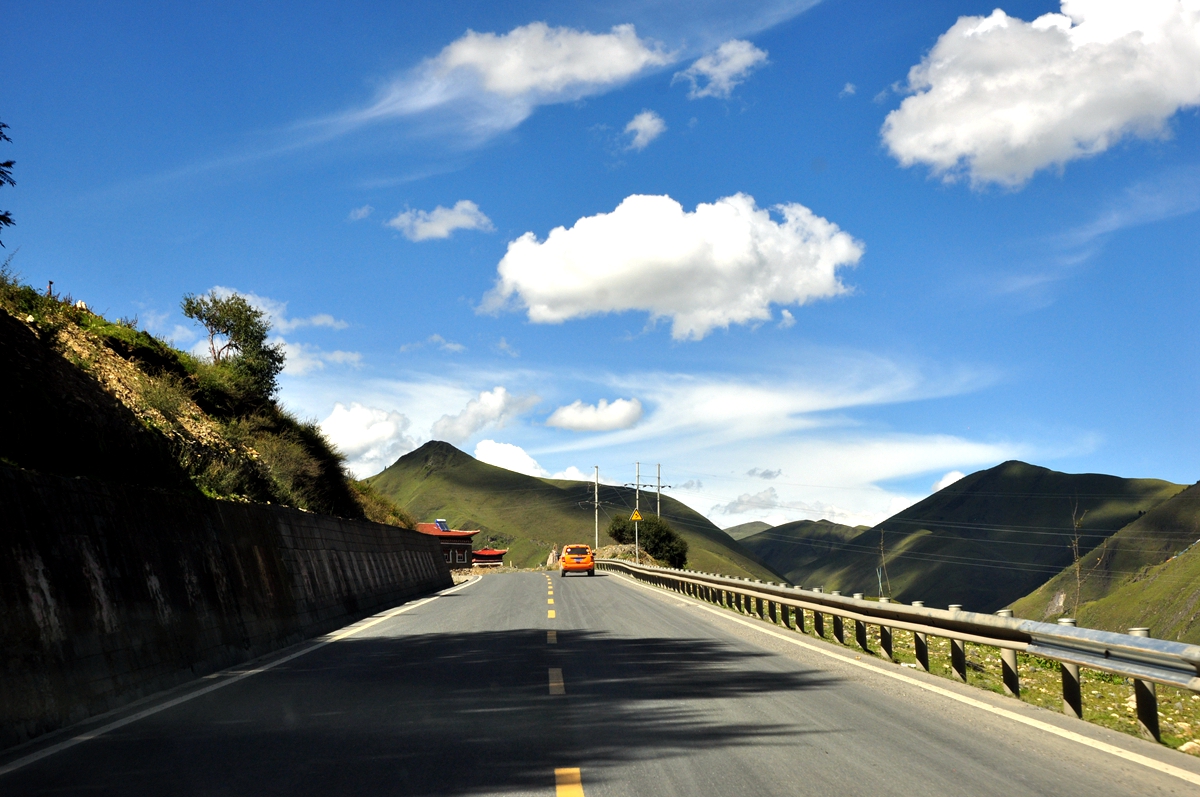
[(658, 501), (596, 506), (637, 503)]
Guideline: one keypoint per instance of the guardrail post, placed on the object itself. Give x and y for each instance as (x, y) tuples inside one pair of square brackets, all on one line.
[(786, 611), (800, 619), (818, 618), (1071, 691), (920, 643), (958, 651), (860, 628), (1008, 663), (839, 626), (1146, 695), (885, 635)]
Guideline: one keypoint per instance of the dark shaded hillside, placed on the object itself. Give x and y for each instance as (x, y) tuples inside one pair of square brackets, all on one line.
[(982, 542), (744, 530), (1134, 577), (794, 548), (529, 515)]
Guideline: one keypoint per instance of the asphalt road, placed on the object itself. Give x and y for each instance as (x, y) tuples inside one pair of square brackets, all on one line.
[(641, 691)]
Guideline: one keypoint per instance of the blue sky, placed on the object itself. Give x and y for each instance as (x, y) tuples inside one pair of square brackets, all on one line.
[(814, 257)]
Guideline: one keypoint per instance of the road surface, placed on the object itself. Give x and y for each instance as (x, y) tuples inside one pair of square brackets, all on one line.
[(532, 684)]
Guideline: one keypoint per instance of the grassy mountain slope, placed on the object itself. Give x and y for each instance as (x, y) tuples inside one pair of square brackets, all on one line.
[(795, 548), (744, 530), (85, 396), (1134, 577), (982, 542), (529, 515)]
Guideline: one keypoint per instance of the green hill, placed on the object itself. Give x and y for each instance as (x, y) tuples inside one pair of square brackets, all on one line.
[(529, 515), (1147, 574), (795, 548), (744, 530), (982, 542)]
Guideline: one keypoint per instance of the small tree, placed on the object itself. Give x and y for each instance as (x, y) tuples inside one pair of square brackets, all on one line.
[(655, 537), (6, 219), (237, 337)]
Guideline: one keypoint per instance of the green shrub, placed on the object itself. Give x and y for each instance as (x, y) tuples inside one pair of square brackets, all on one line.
[(655, 537)]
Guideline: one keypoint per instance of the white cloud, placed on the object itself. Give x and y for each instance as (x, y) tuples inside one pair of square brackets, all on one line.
[(303, 358), (509, 457), (276, 312), (645, 127), (600, 417), (998, 98), (574, 474), (786, 319), (504, 347), (746, 502), (725, 263), (947, 480), (421, 225), (848, 90), (722, 70), (358, 214), (370, 438), (491, 82), (763, 473), (492, 408), (434, 340)]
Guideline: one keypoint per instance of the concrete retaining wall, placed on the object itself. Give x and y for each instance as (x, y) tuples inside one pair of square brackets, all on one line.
[(109, 593)]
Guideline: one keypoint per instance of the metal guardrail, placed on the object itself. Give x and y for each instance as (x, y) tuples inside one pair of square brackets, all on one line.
[(1135, 655)]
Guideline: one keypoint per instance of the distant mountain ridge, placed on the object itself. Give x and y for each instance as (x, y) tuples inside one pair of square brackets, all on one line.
[(744, 530), (985, 541), (529, 515)]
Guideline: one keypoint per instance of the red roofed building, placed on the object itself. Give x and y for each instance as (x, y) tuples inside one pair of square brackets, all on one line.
[(456, 544), (488, 557)]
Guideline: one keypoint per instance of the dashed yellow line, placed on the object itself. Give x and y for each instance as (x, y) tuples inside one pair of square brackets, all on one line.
[(567, 783), (556, 682), (550, 614), (550, 601)]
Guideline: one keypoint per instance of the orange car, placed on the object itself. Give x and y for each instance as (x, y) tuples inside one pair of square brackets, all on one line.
[(576, 559)]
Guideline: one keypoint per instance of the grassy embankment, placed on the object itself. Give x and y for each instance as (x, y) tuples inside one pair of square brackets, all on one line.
[(529, 515), (983, 542), (86, 396), (1147, 574)]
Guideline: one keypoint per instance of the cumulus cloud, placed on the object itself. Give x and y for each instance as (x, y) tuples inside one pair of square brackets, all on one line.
[(358, 214), (434, 340), (947, 480), (645, 127), (786, 319), (848, 90), (721, 71), (492, 82), (998, 98), (724, 263), (763, 473), (304, 358), (422, 225), (599, 417), (276, 312), (492, 408), (509, 457), (370, 438)]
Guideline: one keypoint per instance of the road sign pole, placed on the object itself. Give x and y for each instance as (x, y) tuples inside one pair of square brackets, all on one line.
[(637, 506), (596, 506)]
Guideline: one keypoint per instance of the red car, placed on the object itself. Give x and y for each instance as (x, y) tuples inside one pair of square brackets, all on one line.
[(576, 559)]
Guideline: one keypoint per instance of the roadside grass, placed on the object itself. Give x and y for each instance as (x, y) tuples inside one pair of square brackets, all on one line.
[(1107, 699)]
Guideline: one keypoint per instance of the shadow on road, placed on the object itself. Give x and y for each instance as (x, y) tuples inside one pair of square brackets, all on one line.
[(453, 713)]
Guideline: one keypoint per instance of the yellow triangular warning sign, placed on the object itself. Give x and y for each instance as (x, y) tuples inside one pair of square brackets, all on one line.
[(636, 516)]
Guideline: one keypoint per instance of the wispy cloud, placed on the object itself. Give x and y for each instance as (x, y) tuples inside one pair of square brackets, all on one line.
[(423, 225), (644, 128), (718, 73)]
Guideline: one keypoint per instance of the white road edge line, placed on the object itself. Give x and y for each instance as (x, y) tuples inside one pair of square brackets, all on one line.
[(1136, 758), (348, 631)]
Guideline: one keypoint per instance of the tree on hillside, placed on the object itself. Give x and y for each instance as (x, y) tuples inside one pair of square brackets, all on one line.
[(6, 219), (655, 537), (237, 338)]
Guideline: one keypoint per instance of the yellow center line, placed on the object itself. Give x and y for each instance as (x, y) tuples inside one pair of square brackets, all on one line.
[(550, 614), (556, 682), (567, 783), (551, 637), (550, 600)]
